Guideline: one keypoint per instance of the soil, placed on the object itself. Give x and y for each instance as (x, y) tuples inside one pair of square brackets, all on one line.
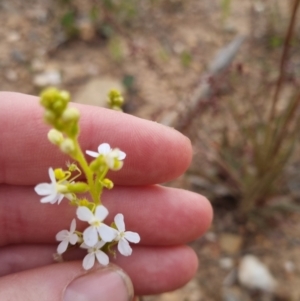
[(161, 52)]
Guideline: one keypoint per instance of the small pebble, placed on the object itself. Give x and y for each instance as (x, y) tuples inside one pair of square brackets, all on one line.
[(47, 78), (289, 267), (211, 236), (11, 75), (255, 275), (13, 36), (18, 56), (37, 65), (226, 263)]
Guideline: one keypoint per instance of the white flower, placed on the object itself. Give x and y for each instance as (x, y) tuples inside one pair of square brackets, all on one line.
[(52, 192), (123, 237), (90, 234), (89, 259), (66, 237), (113, 157)]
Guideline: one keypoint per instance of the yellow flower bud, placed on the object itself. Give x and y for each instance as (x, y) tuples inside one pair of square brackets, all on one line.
[(107, 183), (117, 165), (50, 117), (86, 203), (55, 137), (70, 114), (48, 96), (67, 146), (59, 174), (65, 95), (119, 101), (55, 100), (114, 93), (83, 202), (72, 166), (115, 100)]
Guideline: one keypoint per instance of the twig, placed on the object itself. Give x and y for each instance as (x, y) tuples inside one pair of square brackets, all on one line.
[(284, 57), (288, 119), (180, 118)]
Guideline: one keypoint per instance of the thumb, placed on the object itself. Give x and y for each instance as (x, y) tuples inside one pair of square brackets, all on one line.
[(67, 282)]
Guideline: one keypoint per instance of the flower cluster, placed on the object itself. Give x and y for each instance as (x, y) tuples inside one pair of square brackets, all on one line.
[(98, 238)]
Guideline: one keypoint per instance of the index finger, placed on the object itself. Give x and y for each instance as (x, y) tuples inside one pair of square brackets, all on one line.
[(155, 153)]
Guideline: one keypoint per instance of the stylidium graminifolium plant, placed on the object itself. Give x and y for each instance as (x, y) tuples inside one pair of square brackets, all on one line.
[(98, 238)]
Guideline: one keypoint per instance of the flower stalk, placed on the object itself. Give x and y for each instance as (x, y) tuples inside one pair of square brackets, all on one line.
[(98, 237)]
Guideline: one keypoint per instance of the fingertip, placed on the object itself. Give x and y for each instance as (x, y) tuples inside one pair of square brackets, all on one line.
[(154, 153), (157, 270), (206, 212), (195, 214)]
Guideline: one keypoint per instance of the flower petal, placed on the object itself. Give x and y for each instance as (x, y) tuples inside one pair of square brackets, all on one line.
[(122, 155), (73, 239), (43, 189), (84, 214), (101, 212), (49, 199), (69, 196), (88, 261), (90, 236), (104, 149), (100, 244), (102, 258), (59, 198), (84, 246), (92, 154), (119, 221), (132, 237), (73, 225), (124, 247), (61, 235), (62, 247), (107, 233), (110, 161), (51, 175)]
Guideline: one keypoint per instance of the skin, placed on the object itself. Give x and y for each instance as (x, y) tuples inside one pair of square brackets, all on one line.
[(165, 218)]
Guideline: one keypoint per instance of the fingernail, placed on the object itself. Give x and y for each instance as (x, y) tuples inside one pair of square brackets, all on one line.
[(108, 284)]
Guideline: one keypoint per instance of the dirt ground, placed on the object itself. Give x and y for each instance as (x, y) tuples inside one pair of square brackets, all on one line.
[(158, 56)]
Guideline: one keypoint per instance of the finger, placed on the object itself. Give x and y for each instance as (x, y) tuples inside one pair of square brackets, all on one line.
[(67, 282), (157, 270), (18, 258), (162, 216), (152, 270), (155, 153)]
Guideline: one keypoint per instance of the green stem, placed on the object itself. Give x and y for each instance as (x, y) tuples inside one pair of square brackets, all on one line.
[(99, 178), (88, 173)]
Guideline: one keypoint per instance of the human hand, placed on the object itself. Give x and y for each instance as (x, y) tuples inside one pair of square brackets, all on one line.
[(165, 218)]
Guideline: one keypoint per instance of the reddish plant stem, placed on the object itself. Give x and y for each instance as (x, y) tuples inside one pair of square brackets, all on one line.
[(287, 122), (284, 57)]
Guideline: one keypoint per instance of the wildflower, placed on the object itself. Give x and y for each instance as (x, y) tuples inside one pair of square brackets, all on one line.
[(124, 237), (90, 234), (94, 252), (66, 237), (112, 157), (53, 192)]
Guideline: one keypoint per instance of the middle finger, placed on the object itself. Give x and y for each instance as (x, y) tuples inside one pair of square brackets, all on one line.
[(162, 216)]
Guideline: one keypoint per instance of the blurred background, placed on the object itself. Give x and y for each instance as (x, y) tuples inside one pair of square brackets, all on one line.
[(226, 73)]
